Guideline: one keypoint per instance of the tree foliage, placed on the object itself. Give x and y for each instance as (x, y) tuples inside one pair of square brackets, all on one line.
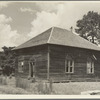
[(89, 26), (7, 60)]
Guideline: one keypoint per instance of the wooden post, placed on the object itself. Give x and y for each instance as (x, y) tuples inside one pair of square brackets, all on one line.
[(48, 63), (29, 70)]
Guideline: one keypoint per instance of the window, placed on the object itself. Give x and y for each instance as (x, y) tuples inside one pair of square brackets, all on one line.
[(90, 66), (69, 66), (20, 66)]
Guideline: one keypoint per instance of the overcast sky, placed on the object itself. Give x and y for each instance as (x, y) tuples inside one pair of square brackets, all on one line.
[(20, 21)]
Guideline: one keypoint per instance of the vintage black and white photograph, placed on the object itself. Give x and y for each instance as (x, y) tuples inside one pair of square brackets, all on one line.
[(50, 47)]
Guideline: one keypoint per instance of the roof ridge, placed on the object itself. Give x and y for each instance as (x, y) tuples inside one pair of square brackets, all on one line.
[(50, 35)]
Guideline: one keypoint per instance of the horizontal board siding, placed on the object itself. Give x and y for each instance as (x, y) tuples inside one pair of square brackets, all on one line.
[(32, 50), (80, 69), (40, 55), (57, 64), (81, 60), (97, 69)]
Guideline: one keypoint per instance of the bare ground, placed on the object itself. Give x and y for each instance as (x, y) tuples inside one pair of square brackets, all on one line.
[(71, 88)]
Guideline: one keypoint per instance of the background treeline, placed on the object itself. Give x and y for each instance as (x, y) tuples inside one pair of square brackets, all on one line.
[(7, 61)]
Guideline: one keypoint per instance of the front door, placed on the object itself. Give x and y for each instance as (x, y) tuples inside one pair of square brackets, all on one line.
[(32, 69)]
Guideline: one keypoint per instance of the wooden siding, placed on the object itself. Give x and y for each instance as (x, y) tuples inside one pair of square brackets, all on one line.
[(57, 56), (57, 63), (40, 55)]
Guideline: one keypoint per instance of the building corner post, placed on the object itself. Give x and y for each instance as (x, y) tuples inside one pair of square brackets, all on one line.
[(48, 63)]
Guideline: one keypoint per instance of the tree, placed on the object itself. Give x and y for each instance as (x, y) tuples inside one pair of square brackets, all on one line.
[(7, 60), (89, 27)]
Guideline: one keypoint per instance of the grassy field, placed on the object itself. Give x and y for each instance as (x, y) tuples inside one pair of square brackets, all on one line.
[(24, 86), (75, 88)]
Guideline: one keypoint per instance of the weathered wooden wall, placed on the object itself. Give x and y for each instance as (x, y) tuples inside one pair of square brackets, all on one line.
[(57, 63), (40, 55)]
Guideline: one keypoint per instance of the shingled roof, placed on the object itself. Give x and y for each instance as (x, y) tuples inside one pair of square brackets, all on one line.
[(59, 36)]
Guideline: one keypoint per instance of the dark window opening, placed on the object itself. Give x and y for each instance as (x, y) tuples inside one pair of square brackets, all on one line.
[(69, 66)]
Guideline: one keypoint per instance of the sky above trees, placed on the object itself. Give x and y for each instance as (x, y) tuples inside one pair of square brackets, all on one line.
[(20, 21)]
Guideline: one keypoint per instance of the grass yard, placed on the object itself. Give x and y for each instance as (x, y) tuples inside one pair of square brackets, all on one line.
[(24, 86), (12, 90), (75, 88)]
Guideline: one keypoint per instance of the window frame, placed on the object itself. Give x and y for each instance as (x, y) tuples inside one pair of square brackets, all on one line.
[(21, 66), (90, 66), (67, 65)]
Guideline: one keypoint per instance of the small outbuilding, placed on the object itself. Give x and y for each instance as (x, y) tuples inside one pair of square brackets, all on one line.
[(60, 55)]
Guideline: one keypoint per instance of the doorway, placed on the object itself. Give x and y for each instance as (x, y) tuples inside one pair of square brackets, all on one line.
[(32, 69)]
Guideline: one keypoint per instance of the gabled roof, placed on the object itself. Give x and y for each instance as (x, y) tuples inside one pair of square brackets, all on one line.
[(59, 36)]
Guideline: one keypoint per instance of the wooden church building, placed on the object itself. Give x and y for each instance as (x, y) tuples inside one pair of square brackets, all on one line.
[(60, 55)]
